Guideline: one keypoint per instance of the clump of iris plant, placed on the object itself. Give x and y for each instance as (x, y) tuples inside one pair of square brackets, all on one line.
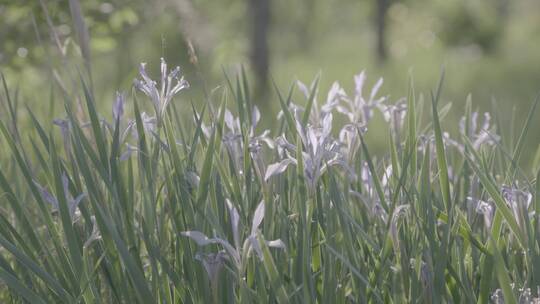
[(238, 252)]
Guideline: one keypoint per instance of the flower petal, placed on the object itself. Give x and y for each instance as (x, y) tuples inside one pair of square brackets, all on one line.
[(200, 238), (277, 168), (256, 246), (276, 244), (258, 216)]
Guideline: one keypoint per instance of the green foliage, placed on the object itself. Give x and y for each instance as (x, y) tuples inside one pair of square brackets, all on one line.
[(169, 208)]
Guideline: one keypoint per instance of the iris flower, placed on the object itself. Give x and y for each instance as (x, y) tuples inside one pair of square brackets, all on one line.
[(170, 85), (319, 151)]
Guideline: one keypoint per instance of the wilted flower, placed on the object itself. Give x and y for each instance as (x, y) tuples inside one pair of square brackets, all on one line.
[(64, 126), (72, 203), (524, 295), (170, 85), (484, 208), (497, 297), (237, 253), (399, 212), (95, 235), (518, 201)]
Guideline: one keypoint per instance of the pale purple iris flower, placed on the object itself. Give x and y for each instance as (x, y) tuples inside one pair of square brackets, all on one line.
[(519, 202), (486, 209), (333, 98), (171, 83), (484, 134), (319, 151), (358, 109), (317, 114), (235, 145)]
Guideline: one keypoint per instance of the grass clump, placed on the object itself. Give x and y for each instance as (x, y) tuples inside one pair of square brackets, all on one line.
[(168, 207)]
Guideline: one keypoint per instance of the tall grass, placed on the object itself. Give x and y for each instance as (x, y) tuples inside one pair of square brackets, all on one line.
[(205, 207)]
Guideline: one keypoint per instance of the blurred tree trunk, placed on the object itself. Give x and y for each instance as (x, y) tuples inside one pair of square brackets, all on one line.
[(259, 13), (193, 26), (305, 32), (380, 28), (503, 9)]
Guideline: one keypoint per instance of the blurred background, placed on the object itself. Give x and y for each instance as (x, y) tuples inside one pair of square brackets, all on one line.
[(488, 48)]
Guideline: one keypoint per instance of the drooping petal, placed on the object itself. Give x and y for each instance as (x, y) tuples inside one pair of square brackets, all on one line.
[(276, 244), (258, 217), (229, 120), (277, 168), (255, 116), (264, 137), (200, 238), (303, 88), (64, 125), (95, 235), (254, 242)]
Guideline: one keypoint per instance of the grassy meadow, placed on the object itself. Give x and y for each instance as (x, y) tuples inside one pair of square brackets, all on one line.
[(130, 182), (164, 206)]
